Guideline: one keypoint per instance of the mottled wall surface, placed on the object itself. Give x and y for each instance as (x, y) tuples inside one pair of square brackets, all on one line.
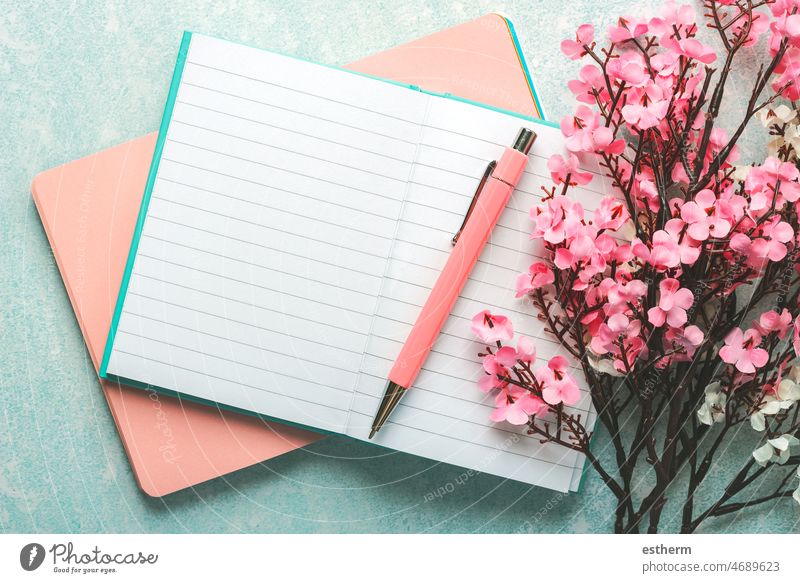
[(77, 77)]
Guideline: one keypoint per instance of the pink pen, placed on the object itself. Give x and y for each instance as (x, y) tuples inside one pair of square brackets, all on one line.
[(489, 201)]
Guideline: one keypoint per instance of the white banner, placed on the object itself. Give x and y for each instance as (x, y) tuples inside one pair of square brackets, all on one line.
[(407, 558)]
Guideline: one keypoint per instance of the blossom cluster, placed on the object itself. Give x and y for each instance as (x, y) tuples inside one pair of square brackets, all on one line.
[(521, 389), (645, 278)]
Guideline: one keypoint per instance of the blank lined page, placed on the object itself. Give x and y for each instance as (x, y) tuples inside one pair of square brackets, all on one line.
[(444, 416), (268, 230)]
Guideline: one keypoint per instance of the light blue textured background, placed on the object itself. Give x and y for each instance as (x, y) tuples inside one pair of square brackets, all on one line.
[(76, 77)]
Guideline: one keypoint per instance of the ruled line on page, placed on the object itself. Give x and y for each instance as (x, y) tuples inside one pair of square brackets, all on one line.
[(283, 128), (295, 90)]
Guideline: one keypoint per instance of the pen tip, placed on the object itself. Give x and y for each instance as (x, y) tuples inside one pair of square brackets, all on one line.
[(373, 432)]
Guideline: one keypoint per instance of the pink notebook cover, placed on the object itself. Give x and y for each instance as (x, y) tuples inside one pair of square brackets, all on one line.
[(89, 207)]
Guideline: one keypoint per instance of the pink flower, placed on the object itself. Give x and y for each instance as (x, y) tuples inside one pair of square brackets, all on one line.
[(585, 134), (620, 294), (788, 79), (590, 79), (516, 405), (617, 327), (495, 374), (491, 328), (701, 216), (692, 49), (689, 338), (557, 384), (611, 213), (508, 356), (646, 106), (796, 336), (574, 49), (538, 276), (559, 221), (771, 321), (627, 28), (761, 181), (669, 248), (563, 171), (741, 349), (630, 68), (760, 250), (672, 304), (672, 15), (526, 350)]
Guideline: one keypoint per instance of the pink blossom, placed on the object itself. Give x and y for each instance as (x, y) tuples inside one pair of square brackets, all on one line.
[(759, 250), (563, 171), (741, 349), (585, 134), (672, 304), (625, 293), (630, 68), (557, 222), (771, 321), (672, 15), (507, 357), (692, 49), (590, 80), (495, 375), (627, 28), (538, 276), (758, 26), (516, 405), (526, 349), (787, 80), (557, 384), (617, 327), (611, 213), (796, 336), (689, 338), (575, 49), (701, 216), (669, 248), (492, 328), (761, 182), (646, 106), (633, 349)]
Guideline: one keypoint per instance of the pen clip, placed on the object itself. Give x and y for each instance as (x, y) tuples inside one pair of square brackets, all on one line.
[(489, 169)]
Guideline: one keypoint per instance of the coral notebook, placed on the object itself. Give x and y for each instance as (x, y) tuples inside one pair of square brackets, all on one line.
[(88, 208)]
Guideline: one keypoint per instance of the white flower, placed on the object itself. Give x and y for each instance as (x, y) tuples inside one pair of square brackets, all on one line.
[(774, 146), (794, 373), (713, 409), (780, 114), (740, 172), (757, 421), (605, 365), (791, 136), (787, 394), (788, 390), (776, 449), (763, 454)]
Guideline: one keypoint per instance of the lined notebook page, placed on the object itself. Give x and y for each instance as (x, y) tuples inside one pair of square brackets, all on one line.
[(445, 416), (299, 217), (268, 229)]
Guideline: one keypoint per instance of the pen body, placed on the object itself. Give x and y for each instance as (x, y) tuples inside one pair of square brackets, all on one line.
[(488, 207)]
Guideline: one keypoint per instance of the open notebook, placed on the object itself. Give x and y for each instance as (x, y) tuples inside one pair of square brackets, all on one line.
[(294, 220)]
